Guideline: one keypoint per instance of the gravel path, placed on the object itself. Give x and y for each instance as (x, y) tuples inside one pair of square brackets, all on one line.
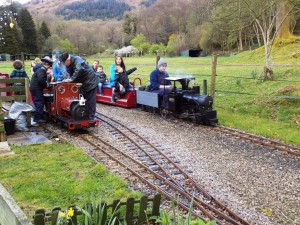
[(261, 185)]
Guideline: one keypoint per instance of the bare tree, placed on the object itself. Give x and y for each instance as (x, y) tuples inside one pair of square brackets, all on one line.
[(270, 15)]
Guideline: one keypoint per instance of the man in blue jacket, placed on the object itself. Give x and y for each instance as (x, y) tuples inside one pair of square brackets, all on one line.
[(158, 84)]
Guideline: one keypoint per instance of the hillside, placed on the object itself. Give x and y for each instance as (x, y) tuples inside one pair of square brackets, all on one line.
[(85, 10)]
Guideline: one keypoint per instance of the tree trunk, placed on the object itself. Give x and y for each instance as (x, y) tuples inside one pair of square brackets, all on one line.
[(240, 41), (283, 22), (257, 34)]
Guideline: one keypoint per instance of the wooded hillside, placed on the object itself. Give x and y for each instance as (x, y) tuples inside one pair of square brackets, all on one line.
[(165, 26)]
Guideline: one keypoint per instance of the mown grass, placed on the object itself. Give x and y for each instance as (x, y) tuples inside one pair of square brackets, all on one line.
[(58, 174)]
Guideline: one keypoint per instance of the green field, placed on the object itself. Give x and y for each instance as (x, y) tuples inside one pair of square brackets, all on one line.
[(269, 108)]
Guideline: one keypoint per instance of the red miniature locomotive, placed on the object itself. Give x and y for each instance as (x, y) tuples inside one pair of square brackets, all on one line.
[(66, 105)]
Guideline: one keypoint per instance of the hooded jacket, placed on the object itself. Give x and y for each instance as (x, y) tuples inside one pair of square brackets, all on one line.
[(39, 78)]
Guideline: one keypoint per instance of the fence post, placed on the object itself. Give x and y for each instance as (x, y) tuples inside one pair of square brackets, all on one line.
[(129, 211), (157, 59), (213, 76), (27, 94), (156, 205), (23, 60), (142, 212)]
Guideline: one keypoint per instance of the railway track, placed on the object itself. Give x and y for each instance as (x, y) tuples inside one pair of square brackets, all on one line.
[(133, 156), (260, 140)]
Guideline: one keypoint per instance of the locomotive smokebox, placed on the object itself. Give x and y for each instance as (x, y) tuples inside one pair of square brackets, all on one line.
[(66, 103)]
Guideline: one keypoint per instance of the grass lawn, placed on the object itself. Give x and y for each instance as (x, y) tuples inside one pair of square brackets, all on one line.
[(58, 174)]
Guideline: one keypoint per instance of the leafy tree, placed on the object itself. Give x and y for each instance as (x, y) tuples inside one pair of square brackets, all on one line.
[(29, 40), (66, 46), (53, 42), (129, 26), (172, 44), (158, 49), (139, 41)]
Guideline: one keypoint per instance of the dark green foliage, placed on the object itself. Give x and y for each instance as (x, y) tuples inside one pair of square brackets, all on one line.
[(9, 37), (129, 26), (43, 35), (44, 30), (11, 41), (91, 10), (26, 23)]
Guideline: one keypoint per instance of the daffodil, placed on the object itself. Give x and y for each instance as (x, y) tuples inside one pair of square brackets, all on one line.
[(11, 23), (71, 212)]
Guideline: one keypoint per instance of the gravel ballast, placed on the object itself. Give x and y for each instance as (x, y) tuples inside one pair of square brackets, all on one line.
[(259, 184)]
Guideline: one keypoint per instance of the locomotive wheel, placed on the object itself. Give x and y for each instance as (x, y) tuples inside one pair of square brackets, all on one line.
[(164, 113), (199, 120)]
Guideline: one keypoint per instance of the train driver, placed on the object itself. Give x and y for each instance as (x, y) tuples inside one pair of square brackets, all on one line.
[(157, 82)]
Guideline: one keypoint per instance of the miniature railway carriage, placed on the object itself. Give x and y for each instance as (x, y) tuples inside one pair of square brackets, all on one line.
[(66, 105), (185, 102), (128, 100)]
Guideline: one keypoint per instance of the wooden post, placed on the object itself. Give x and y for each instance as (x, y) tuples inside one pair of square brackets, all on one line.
[(142, 211), (157, 59), (27, 94), (129, 211), (213, 76), (2, 130), (23, 59)]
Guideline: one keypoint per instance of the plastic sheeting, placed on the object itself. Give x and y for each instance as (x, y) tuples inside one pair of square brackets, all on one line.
[(17, 112)]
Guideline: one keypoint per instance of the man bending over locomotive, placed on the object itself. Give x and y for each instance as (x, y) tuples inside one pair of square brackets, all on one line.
[(81, 72)]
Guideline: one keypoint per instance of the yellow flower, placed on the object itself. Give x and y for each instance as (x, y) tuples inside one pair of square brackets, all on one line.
[(62, 214), (11, 23), (71, 212)]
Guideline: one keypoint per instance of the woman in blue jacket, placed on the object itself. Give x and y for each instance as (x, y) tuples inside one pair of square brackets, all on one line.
[(119, 77)]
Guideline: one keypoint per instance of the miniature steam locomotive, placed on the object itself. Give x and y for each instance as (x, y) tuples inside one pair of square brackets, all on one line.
[(65, 104), (185, 102)]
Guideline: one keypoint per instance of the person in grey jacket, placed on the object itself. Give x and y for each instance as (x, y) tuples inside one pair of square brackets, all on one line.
[(81, 72)]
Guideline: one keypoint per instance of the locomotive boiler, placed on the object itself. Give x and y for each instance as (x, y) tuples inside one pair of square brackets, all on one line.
[(66, 105), (183, 102)]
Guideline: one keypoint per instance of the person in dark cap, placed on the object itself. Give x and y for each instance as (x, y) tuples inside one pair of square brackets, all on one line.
[(158, 84), (81, 72), (37, 84)]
